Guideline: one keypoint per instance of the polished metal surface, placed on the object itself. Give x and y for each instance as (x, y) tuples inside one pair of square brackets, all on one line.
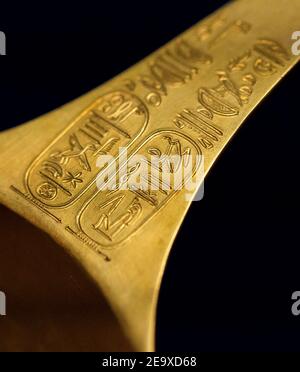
[(197, 90)]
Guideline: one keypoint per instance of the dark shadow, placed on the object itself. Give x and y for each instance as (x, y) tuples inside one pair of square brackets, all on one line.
[(52, 305)]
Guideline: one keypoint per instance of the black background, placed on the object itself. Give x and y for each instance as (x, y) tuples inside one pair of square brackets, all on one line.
[(235, 262)]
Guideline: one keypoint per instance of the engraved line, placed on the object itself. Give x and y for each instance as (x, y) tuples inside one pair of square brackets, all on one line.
[(204, 122), (125, 134), (173, 69), (181, 62), (94, 130), (56, 183), (96, 123), (174, 63), (190, 120), (147, 198), (89, 135), (85, 240), (35, 202), (102, 233)]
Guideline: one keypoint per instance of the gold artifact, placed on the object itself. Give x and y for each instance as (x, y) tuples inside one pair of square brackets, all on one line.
[(195, 91)]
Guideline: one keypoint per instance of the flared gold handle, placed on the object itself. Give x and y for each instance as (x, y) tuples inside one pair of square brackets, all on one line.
[(190, 96)]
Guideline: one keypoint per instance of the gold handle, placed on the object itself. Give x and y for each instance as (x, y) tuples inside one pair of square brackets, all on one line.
[(196, 91)]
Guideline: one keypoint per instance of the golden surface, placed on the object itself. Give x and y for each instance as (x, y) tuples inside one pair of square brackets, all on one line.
[(198, 89)]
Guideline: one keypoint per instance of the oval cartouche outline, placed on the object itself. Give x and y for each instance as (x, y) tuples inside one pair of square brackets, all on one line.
[(150, 136), (73, 122)]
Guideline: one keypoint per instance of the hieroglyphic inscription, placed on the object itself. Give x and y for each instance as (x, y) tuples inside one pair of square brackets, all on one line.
[(172, 67), (68, 166), (233, 91), (199, 121), (111, 216), (218, 28)]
